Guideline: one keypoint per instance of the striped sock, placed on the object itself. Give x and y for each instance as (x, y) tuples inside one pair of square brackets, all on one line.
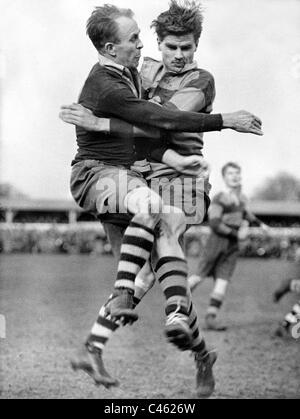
[(293, 317), (172, 276), (102, 330), (135, 251), (198, 344), (295, 286), (217, 296)]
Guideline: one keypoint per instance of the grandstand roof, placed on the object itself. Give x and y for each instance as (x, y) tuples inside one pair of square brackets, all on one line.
[(38, 205), (279, 208)]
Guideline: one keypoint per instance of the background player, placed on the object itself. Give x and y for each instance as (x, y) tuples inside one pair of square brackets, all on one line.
[(229, 221), (293, 317)]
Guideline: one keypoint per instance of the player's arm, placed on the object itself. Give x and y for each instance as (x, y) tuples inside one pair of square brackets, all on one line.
[(254, 221), (83, 117), (122, 104), (215, 216), (190, 99)]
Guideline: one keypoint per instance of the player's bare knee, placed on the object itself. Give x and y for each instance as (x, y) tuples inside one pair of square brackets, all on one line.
[(146, 206), (146, 279), (173, 221), (147, 220)]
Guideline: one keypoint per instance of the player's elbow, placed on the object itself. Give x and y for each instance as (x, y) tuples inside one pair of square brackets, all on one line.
[(163, 124)]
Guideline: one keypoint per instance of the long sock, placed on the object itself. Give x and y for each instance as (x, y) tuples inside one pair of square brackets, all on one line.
[(295, 286), (104, 327), (135, 251), (293, 317), (102, 330), (217, 296), (198, 345), (172, 276)]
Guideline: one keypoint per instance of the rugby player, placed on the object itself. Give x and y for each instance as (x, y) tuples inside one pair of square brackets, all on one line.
[(229, 220), (179, 315), (293, 317)]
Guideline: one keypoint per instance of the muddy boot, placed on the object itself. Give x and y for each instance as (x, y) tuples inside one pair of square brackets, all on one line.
[(205, 380), (90, 361)]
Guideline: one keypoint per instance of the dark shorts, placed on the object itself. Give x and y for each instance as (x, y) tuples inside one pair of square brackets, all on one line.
[(100, 189), (219, 258)]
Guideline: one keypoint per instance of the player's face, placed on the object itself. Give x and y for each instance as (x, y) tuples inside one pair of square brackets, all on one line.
[(128, 51), (177, 51), (233, 178)]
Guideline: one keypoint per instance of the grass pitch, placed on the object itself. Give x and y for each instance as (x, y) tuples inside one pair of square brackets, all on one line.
[(50, 303)]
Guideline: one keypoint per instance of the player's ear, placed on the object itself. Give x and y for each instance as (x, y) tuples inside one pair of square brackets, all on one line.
[(110, 49)]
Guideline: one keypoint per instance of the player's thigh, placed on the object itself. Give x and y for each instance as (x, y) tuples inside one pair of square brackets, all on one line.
[(142, 200), (227, 264), (188, 193), (172, 223), (206, 265), (210, 256)]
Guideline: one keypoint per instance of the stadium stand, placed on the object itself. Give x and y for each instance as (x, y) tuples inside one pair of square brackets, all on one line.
[(31, 226)]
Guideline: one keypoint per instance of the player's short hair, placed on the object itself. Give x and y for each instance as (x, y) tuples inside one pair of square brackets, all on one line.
[(229, 165), (102, 26), (182, 18)]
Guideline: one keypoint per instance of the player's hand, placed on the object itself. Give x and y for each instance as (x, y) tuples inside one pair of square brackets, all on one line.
[(244, 231), (243, 121), (194, 166), (78, 115)]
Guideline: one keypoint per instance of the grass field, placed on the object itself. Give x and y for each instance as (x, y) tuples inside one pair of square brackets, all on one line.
[(50, 302)]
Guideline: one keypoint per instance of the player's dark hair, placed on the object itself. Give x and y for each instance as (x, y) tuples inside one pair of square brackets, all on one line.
[(230, 165), (182, 18), (102, 26)]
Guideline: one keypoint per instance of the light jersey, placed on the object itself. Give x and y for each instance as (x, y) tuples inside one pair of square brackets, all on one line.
[(191, 90)]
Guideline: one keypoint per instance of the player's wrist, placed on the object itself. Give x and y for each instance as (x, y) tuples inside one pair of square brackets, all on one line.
[(172, 159), (102, 124), (228, 120)]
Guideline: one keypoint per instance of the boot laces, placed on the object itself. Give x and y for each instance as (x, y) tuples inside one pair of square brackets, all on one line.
[(176, 316)]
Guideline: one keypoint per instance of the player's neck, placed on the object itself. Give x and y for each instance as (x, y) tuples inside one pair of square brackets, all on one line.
[(235, 190)]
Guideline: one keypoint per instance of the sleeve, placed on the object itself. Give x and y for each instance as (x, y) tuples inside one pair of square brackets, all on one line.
[(215, 214), (251, 218), (151, 149), (123, 129), (121, 103), (248, 215)]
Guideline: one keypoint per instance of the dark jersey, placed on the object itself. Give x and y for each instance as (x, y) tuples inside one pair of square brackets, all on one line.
[(110, 94)]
